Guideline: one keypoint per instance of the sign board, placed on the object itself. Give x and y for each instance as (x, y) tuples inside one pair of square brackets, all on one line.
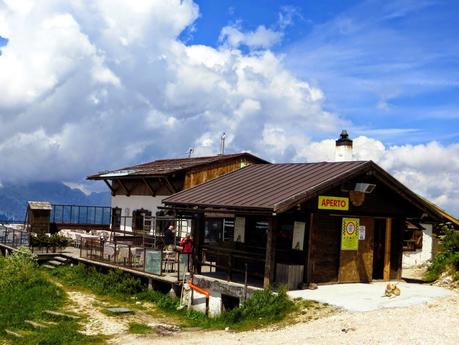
[(239, 229), (153, 261), (183, 265), (350, 234), (333, 203), (298, 235), (362, 232)]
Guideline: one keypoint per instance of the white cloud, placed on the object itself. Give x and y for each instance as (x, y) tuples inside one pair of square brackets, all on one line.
[(233, 36), (88, 86), (431, 169), (95, 85), (261, 38)]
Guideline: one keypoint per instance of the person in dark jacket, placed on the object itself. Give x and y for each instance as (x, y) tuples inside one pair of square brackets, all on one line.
[(169, 238)]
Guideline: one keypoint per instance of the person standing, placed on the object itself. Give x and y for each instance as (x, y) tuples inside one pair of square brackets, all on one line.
[(169, 238), (187, 245)]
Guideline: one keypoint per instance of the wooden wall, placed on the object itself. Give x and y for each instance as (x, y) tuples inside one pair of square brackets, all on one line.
[(39, 220), (199, 176)]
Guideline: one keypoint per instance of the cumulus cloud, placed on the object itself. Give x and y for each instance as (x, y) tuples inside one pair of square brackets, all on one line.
[(431, 169), (233, 36), (88, 86), (261, 38)]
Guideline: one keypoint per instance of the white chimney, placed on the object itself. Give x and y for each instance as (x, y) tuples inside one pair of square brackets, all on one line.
[(343, 151), (222, 143)]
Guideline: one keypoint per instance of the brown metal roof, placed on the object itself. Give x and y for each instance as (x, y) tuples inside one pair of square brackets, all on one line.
[(274, 187), (168, 166)]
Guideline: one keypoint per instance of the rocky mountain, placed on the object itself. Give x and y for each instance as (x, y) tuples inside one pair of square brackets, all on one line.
[(14, 197)]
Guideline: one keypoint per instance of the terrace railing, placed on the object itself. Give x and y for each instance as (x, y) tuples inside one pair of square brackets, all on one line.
[(81, 215), (125, 252), (14, 237)]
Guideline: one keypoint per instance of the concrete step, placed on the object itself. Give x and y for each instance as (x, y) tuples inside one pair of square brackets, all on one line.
[(54, 262), (61, 259), (35, 324), (61, 315), (14, 334), (48, 266)]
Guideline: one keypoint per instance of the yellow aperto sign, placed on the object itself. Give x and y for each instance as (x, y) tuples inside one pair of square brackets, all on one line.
[(333, 203)]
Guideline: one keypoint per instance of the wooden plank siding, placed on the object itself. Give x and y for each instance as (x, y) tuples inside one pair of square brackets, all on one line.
[(199, 176), (325, 248)]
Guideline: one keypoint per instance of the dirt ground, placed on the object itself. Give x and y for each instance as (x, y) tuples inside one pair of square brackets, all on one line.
[(433, 323)]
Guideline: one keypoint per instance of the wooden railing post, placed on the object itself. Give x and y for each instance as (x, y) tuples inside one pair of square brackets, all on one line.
[(270, 255), (387, 251)]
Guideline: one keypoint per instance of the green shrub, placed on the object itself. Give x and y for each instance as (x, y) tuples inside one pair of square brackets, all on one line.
[(55, 240), (448, 259), (264, 307)]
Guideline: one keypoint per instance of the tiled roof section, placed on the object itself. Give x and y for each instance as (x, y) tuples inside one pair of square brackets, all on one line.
[(268, 187), (167, 166)]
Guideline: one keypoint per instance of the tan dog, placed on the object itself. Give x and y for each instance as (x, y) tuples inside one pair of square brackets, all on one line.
[(392, 290)]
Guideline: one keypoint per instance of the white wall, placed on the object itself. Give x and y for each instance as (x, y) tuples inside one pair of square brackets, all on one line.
[(420, 256), (343, 153), (215, 303), (135, 202)]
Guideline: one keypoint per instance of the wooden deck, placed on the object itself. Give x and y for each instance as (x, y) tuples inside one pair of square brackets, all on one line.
[(74, 254)]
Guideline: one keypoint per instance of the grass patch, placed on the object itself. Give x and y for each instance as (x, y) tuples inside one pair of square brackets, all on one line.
[(263, 308), (25, 293), (139, 328)]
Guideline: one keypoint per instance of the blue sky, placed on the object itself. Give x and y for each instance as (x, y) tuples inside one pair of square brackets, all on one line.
[(3, 42), (98, 85), (391, 68)]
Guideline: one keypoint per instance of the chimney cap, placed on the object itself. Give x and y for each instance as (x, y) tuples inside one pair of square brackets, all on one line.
[(344, 139)]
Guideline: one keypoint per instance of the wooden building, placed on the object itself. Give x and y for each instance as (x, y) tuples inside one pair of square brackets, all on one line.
[(38, 216), (138, 191), (295, 224)]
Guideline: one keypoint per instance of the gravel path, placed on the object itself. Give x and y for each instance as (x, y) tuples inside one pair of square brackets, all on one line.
[(434, 323)]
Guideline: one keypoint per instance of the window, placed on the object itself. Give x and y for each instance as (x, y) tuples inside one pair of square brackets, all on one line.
[(138, 217), (228, 229), (256, 232), (219, 230), (412, 239)]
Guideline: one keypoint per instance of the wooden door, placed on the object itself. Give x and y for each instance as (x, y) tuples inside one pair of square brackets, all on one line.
[(325, 248), (357, 266)]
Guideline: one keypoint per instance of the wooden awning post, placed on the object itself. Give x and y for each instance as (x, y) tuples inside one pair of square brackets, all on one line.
[(270, 254), (386, 274)]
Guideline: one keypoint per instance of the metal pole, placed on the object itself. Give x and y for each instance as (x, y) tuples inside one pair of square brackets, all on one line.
[(245, 282)]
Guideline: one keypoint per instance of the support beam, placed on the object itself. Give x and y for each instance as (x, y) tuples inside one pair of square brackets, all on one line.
[(128, 192), (110, 187), (170, 186), (150, 188), (270, 254), (309, 259), (386, 274)]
